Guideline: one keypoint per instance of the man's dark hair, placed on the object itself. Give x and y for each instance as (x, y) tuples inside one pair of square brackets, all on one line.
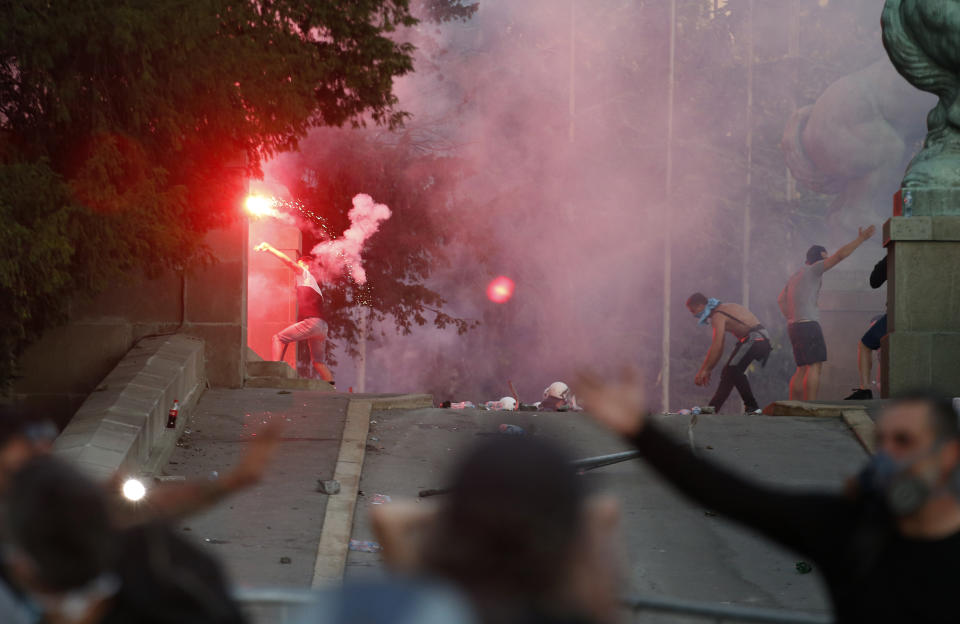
[(60, 519), (943, 417), (510, 523), (815, 254), (696, 299)]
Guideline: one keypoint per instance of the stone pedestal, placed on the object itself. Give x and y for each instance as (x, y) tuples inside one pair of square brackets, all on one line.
[(215, 305), (922, 349)]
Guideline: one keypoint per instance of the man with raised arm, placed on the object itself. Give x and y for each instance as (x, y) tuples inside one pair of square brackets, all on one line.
[(888, 546), (799, 303), (310, 325)]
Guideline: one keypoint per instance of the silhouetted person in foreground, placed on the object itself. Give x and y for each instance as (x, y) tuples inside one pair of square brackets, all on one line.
[(889, 549), (513, 534), (63, 551), (753, 344), (517, 534)]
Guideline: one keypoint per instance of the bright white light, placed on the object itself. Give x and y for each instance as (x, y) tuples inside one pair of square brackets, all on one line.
[(260, 206), (133, 490)]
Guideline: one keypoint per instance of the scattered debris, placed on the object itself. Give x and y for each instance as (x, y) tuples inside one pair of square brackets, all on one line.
[(710, 513), (215, 541), (461, 405), (804, 568), (284, 560), (365, 546), (380, 499), (506, 404), (511, 429), (284, 392), (374, 438), (214, 475), (167, 478), (329, 487)]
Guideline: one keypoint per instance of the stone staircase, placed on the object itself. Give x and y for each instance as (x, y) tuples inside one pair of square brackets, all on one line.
[(264, 374)]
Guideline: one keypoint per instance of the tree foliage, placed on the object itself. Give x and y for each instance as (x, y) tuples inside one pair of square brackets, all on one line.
[(126, 129)]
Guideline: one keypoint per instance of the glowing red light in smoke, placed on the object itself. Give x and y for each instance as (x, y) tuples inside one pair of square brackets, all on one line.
[(500, 289)]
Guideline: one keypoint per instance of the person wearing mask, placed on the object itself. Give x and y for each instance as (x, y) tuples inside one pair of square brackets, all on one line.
[(888, 547), (753, 344)]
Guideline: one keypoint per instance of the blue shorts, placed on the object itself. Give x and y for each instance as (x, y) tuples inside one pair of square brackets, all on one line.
[(878, 329)]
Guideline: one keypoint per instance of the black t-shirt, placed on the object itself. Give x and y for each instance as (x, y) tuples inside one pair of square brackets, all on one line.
[(873, 573)]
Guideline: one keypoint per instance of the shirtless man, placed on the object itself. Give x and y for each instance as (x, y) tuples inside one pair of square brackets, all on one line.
[(753, 344)]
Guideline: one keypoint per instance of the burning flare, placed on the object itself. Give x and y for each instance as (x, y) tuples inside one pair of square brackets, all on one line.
[(261, 206)]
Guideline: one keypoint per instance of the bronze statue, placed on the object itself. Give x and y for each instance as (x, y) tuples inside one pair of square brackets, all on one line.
[(922, 38)]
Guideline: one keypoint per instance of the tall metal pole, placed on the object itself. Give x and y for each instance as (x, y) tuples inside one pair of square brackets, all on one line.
[(668, 220), (362, 348), (748, 204), (793, 56), (573, 60)]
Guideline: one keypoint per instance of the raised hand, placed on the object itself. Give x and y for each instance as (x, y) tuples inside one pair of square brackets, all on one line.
[(619, 406), (262, 247), (867, 232)]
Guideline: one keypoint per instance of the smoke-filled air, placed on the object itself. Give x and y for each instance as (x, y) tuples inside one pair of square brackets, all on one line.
[(608, 159)]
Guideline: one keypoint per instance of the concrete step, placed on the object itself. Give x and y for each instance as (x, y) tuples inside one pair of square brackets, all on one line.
[(823, 409), (284, 383), (270, 369)]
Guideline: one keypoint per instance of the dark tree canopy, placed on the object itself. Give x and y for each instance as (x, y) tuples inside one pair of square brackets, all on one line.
[(127, 129)]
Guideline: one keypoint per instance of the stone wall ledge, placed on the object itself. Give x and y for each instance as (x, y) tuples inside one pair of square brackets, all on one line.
[(121, 427)]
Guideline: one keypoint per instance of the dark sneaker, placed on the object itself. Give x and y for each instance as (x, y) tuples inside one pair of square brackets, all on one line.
[(860, 395)]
